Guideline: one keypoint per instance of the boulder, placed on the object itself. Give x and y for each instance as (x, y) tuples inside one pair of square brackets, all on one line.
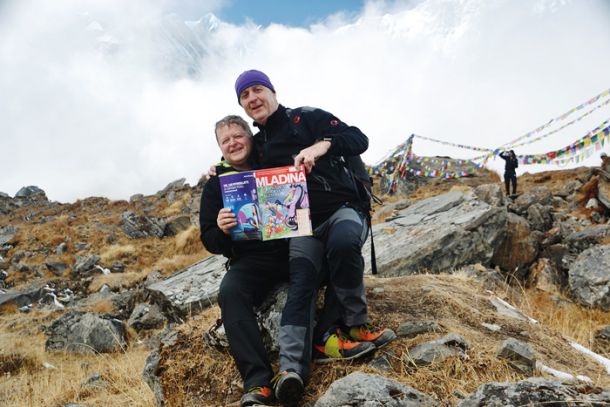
[(435, 351), (588, 277), (56, 267), (539, 195), (7, 204), (436, 235), (173, 186), (602, 340), (412, 329), (176, 225), (30, 195), (21, 298), (520, 355), (85, 265), (189, 290), (139, 227), (146, 316), (7, 233), (361, 389), (518, 249), (534, 391), (149, 375), (84, 332), (540, 217), (491, 194)]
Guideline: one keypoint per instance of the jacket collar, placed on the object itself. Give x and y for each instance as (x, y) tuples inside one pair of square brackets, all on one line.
[(274, 121)]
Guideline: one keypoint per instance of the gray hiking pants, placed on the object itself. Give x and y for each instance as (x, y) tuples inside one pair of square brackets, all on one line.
[(331, 256)]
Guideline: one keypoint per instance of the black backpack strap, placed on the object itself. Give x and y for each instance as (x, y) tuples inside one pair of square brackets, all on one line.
[(373, 257)]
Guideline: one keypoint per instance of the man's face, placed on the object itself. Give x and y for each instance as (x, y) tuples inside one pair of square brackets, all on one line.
[(259, 102), (235, 144)]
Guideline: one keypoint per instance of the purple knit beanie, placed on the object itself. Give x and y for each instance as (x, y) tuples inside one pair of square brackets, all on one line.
[(249, 78)]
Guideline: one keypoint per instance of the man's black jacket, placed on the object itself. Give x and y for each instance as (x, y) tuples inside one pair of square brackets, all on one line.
[(329, 184)]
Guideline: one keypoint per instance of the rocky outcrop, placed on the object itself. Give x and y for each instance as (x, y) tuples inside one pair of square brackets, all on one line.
[(534, 392), (518, 249), (146, 316), (7, 233), (589, 279), (139, 227), (83, 332), (438, 234), (190, 290), (360, 389)]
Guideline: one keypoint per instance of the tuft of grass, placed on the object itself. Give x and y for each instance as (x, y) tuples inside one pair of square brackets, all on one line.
[(188, 241), (116, 281), (116, 252), (102, 307)]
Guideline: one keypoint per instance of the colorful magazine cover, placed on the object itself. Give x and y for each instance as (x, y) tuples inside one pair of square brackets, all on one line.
[(269, 204), (239, 194)]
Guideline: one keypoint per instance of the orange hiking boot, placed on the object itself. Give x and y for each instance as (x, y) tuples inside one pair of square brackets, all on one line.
[(339, 346), (257, 395), (369, 333)]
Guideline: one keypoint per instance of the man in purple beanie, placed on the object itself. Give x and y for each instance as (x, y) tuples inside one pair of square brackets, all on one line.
[(319, 141)]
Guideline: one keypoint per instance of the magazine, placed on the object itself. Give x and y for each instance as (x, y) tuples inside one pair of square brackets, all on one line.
[(268, 204)]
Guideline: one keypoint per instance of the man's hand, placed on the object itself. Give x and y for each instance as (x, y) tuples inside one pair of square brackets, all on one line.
[(212, 171), (226, 220), (309, 155)]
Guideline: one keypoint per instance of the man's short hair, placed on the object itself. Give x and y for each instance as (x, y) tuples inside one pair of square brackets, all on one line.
[(232, 119)]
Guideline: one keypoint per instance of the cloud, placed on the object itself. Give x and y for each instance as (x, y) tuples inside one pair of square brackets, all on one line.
[(112, 98)]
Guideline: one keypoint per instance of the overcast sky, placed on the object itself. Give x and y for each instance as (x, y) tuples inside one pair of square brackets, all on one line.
[(113, 98)]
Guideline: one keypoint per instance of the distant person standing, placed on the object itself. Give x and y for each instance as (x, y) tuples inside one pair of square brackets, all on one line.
[(510, 175)]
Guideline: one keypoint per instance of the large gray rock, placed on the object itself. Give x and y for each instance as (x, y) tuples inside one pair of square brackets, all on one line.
[(146, 316), (85, 264), (190, 290), (540, 217), (360, 389), (490, 193), (83, 332), (438, 234), (438, 350), (30, 195), (21, 298), (539, 195), (520, 355), (589, 279), (139, 227), (7, 233), (151, 367), (533, 392), (28, 192), (7, 204), (586, 238), (176, 225), (518, 249)]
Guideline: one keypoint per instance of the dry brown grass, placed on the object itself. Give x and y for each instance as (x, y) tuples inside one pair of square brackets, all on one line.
[(199, 375), (25, 382), (116, 281), (102, 307), (188, 241), (182, 200), (117, 252), (169, 265)]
